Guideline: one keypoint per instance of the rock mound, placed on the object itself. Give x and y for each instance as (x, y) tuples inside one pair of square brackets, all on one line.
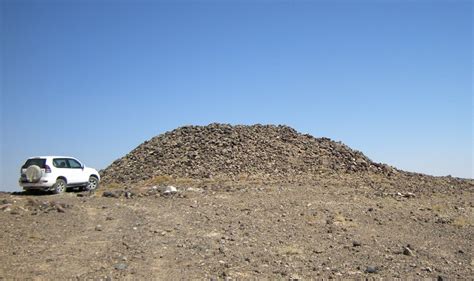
[(221, 150)]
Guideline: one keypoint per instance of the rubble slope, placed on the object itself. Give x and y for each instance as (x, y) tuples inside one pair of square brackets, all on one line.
[(221, 150)]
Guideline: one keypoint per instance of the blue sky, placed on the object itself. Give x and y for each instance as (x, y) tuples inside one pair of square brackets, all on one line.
[(94, 79)]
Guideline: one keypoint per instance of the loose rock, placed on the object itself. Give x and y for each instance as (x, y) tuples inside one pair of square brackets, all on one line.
[(407, 251), (170, 190), (221, 150), (120, 266), (111, 194), (371, 269)]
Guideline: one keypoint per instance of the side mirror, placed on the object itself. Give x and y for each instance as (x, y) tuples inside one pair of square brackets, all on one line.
[(82, 166)]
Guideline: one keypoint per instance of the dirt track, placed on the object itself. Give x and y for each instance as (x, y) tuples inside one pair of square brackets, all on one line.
[(326, 229)]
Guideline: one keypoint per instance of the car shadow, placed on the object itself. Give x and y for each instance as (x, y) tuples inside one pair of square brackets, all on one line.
[(42, 192), (32, 193)]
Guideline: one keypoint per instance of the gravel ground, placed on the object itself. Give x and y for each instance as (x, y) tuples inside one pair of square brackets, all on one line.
[(338, 228)]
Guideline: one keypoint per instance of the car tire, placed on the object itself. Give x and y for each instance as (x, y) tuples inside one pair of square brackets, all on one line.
[(60, 186), (93, 184), (33, 173)]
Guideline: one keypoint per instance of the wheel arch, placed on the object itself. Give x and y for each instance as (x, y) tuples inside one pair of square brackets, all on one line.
[(62, 178)]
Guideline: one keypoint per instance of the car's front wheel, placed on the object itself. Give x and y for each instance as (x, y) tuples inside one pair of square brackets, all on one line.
[(59, 186), (93, 183)]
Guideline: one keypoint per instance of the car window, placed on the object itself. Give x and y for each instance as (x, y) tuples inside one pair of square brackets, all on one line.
[(35, 161), (60, 163), (74, 164)]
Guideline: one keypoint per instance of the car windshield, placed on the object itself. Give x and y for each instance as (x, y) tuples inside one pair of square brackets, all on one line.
[(35, 161)]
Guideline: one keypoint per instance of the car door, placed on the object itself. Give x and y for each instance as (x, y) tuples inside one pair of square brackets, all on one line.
[(76, 172), (61, 165)]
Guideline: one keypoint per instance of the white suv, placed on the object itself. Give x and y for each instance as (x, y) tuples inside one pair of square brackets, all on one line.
[(57, 173)]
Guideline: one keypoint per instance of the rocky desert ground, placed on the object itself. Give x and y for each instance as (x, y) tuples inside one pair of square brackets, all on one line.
[(251, 202)]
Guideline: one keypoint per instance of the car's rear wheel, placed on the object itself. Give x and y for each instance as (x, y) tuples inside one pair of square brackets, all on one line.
[(93, 183), (59, 186)]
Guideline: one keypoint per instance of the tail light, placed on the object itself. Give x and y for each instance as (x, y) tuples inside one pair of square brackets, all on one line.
[(47, 169)]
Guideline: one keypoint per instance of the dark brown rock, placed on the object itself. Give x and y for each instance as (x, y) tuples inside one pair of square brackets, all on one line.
[(221, 150)]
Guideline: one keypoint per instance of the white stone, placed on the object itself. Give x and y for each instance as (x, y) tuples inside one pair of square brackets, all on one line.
[(170, 189)]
